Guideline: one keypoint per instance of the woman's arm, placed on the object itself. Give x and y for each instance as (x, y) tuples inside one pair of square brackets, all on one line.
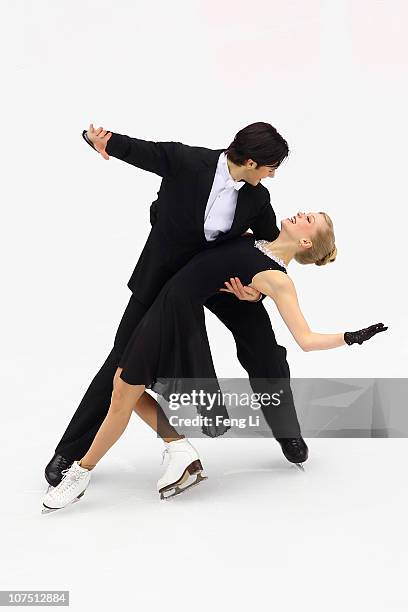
[(282, 290)]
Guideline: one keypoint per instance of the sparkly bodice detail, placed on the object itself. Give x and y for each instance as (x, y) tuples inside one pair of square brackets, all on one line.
[(261, 245)]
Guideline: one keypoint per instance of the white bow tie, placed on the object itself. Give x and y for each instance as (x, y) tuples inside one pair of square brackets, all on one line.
[(235, 184)]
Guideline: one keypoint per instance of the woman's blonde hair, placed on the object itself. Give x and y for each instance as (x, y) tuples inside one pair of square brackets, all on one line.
[(323, 250)]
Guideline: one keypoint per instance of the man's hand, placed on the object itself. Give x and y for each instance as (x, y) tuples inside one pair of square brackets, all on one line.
[(99, 139), (242, 292)]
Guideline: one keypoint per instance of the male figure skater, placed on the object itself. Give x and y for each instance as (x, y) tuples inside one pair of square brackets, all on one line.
[(206, 196)]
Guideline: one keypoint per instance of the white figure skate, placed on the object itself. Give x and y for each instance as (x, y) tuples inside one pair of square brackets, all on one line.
[(70, 490), (184, 462)]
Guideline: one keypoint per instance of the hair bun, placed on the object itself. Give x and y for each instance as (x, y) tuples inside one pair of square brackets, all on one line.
[(327, 258)]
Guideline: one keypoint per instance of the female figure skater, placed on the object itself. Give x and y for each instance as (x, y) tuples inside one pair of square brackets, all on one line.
[(170, 343)]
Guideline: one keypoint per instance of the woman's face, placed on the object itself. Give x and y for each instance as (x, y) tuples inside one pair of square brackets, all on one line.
[(303, 225)]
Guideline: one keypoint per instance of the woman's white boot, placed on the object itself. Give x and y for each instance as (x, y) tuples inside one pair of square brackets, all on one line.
[(183, 469), (69, 490)]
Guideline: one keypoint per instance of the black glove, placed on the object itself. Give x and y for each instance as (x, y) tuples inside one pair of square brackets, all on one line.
[(363, 334)]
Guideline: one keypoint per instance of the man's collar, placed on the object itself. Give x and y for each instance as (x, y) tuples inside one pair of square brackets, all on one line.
[(230, 182)]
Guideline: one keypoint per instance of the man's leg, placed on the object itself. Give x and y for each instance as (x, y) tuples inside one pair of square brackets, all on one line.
[(94, 406), (261, 356)]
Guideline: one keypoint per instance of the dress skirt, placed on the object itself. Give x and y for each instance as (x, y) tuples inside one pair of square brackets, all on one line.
[(169, 351)]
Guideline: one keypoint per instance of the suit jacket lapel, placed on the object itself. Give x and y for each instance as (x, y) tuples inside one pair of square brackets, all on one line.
[(243, 206), (205, 179)]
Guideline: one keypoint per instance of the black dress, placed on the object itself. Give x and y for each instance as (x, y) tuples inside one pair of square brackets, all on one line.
[(169, 351)]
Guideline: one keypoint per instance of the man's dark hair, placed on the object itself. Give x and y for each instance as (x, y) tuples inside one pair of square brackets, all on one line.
[(259, 141)]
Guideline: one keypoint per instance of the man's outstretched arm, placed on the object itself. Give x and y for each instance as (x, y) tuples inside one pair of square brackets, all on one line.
[(162, 158)]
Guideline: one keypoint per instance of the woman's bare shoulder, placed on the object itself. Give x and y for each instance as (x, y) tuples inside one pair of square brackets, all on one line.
[(268, 281)]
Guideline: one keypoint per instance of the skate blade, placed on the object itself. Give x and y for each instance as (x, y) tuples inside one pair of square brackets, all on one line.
[(300, 467), (177, 489), (47, 510)]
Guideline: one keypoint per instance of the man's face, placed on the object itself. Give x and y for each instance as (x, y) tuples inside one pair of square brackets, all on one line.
[(254, 174)]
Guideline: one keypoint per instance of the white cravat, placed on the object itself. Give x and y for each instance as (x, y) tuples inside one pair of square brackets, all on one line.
[(222, 201)]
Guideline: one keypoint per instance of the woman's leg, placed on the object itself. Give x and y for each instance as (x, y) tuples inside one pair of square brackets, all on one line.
[(152, 413), (125, 398), (123, 401)]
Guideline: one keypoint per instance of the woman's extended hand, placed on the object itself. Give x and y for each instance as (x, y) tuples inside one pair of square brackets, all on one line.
[(362, 335), (99, 139), (240, 291)]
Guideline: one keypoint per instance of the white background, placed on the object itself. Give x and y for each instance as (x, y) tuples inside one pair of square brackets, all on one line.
[(331, 76)]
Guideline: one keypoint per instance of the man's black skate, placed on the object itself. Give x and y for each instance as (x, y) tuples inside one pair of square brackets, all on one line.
[(295, 450), (53, 471)]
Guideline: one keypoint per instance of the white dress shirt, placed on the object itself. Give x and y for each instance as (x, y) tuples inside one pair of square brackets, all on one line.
[(222, 201)]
